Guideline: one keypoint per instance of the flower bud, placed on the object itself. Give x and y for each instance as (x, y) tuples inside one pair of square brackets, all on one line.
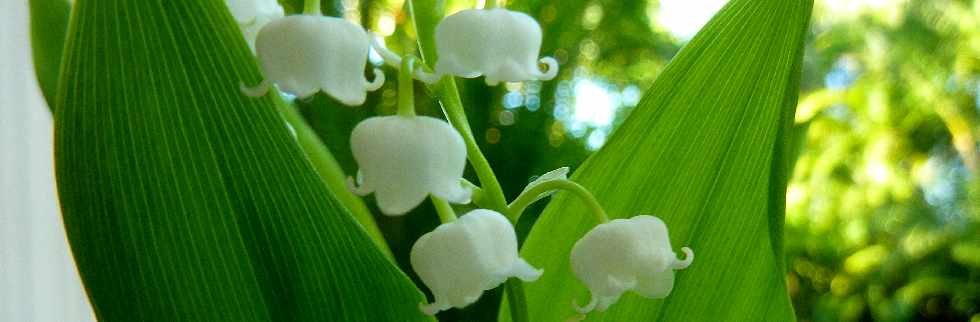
[(403, 159), (252, 15), (498, 43), (461, 259), (304, 54), (626, 255)]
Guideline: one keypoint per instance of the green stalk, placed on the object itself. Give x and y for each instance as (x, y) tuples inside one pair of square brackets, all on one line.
[(452, 106), (448, 94), (517, 207), (311, 7), (406, 90), (445, 211), (331, 173)]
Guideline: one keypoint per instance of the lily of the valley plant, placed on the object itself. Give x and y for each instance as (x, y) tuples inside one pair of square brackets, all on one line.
[(405, 158)]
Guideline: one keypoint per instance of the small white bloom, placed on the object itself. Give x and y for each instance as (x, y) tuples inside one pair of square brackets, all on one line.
[(626, 255), (304, 54), (461, 259), (403, 159), (498, 43), (252, 15)]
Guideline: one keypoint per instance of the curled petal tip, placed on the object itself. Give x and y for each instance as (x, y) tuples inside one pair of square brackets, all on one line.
[(349, 101), (588, 307), (355, 189), (247, 22), (392, 211), (379, 80), (432, 308), (461, 196), (552, 70), (391, 58), (491, 81), (258, 91), (428, 309), (688, 258), (428, 78), (532, 275), (525, 272)]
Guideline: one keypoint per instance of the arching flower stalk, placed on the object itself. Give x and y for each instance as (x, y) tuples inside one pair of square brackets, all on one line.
[(626, 255), (403, 158), (461, 259), (304, 54), (252, 15), (556, 174), (500, 44)]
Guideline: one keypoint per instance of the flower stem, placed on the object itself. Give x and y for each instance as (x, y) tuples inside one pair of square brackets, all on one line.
[(311, 7), (516, 208), (445, 211), (331, 172), (406, 88), (452, 105)]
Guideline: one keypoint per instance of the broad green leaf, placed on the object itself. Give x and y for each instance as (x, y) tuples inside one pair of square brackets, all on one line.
[(187, 201), (425, 16), (49, 23), (707, 151)]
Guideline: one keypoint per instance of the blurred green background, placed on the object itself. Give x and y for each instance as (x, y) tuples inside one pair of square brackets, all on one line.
[(884, 206)]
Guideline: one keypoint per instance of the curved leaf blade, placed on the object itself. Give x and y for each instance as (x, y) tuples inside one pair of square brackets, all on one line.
[(706, 151), (186, 201), (49, 23)]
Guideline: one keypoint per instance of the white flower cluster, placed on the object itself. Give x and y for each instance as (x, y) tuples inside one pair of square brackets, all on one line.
[(404, 159)]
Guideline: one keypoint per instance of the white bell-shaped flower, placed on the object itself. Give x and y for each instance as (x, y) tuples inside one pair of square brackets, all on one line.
[(252, 15), (626, 255), (403, 159), (304, 54), (461, 259), (498, 43)]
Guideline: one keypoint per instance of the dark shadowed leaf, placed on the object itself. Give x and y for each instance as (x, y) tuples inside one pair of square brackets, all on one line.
[(186, 201)]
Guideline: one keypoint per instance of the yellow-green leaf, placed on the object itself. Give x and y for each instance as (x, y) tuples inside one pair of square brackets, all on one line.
[(707, 150)]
